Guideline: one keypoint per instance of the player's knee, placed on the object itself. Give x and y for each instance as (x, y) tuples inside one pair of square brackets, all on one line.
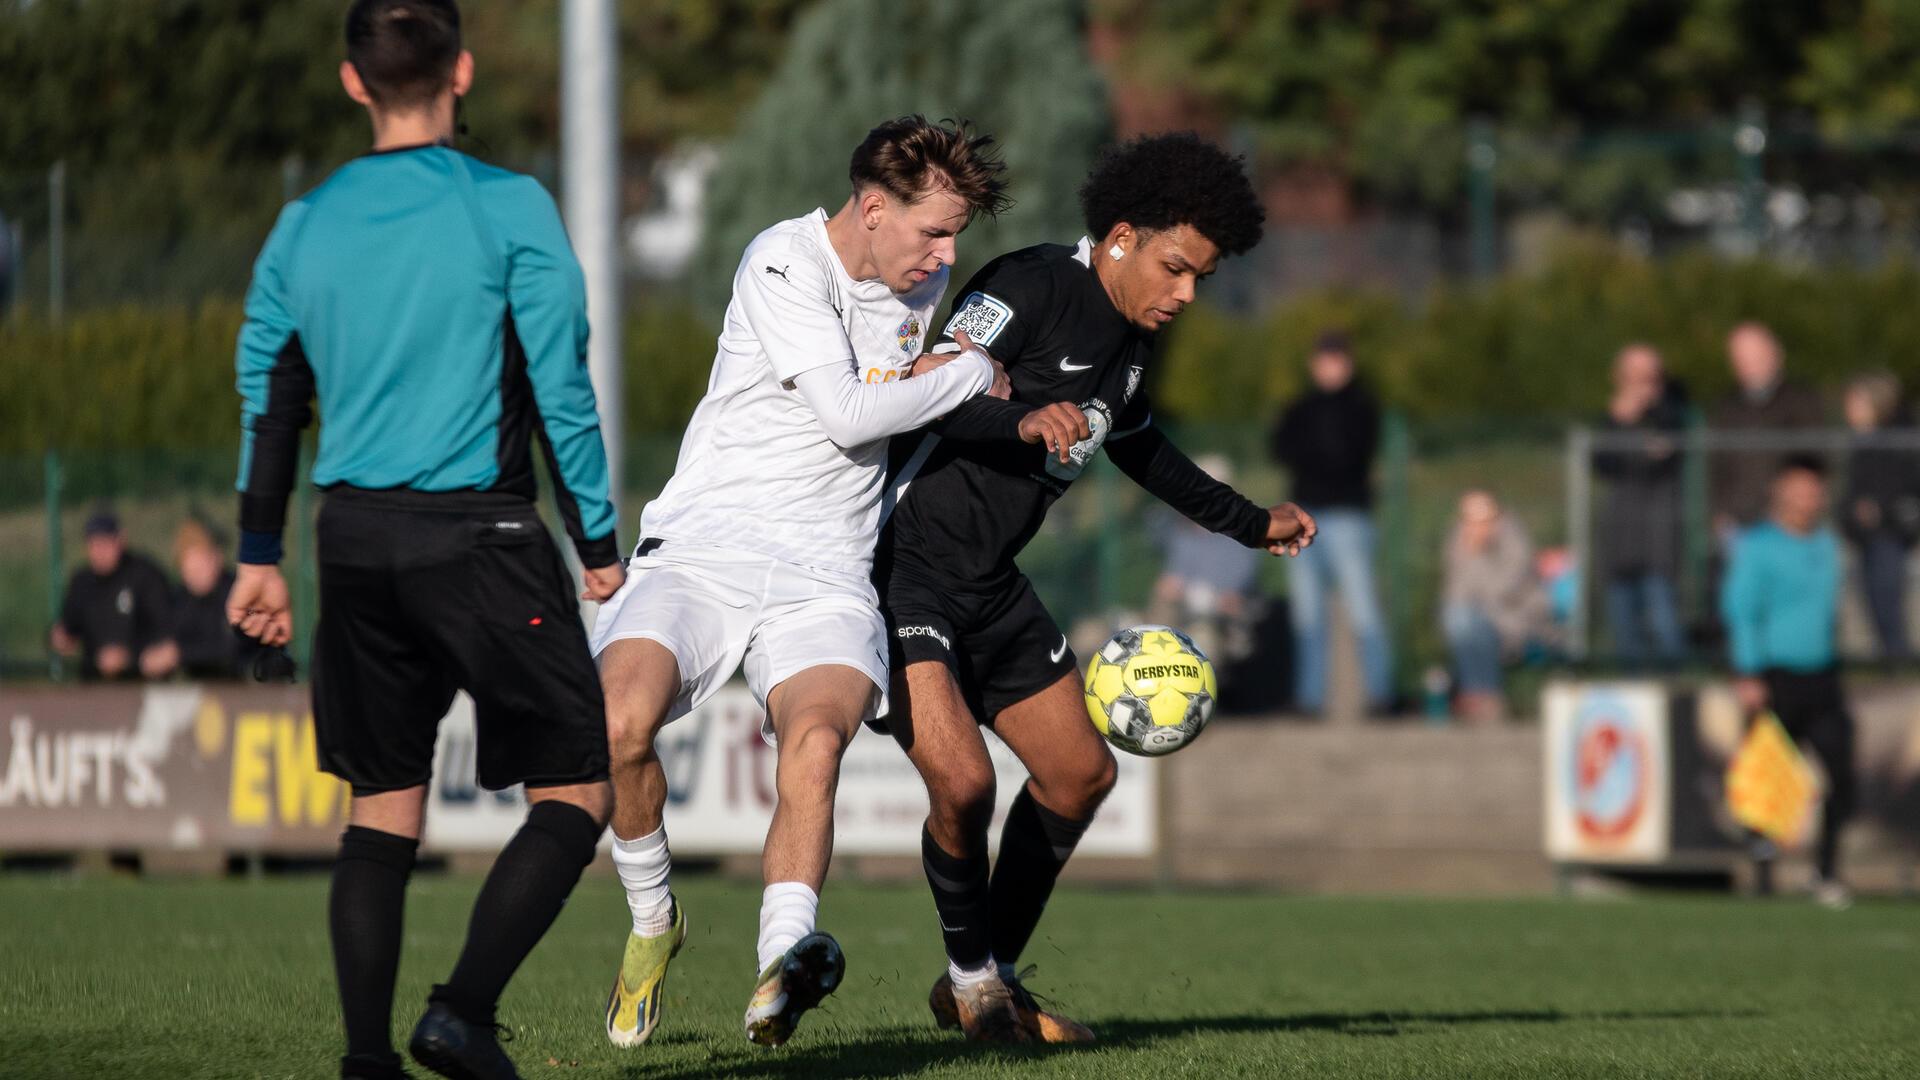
[(962, 802), (1078, 790), (630, 731), (819, 739)]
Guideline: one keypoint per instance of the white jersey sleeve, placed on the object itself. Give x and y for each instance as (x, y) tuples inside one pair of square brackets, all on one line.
[(853, 413), (790, 307)]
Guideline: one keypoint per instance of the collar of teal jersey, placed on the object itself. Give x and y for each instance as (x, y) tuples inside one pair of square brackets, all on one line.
[(437, 144)]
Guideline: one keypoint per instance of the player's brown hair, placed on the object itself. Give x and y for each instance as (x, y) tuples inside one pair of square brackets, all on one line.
[(910, 156)]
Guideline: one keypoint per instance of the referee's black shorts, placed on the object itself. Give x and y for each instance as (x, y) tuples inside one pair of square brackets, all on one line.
[(424, 594)]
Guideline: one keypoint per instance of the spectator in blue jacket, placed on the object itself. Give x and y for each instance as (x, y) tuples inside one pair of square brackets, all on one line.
[(1780, 601)]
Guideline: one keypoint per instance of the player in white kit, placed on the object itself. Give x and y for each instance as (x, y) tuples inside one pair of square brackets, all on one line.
[(759, 550)]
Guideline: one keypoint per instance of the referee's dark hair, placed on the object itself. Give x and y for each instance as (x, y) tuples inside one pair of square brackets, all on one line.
[(404, 50), (1158, 182), (907, 156)]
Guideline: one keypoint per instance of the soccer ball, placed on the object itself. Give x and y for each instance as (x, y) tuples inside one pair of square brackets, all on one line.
[(1150, 691)]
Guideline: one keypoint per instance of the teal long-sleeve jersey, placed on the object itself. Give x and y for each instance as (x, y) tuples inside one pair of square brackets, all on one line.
[(433, 307)]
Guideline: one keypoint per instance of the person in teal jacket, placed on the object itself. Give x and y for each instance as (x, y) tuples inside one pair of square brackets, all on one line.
[(1780, 600), (432, 306)]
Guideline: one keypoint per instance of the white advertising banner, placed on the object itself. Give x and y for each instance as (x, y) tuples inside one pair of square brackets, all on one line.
[(720, 777), (1609, 789)]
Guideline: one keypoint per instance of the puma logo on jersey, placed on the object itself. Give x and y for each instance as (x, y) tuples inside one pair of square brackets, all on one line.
[(1064, 366), (781, 273)]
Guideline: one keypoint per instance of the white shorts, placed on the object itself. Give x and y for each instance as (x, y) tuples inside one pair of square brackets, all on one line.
[(715, 610)]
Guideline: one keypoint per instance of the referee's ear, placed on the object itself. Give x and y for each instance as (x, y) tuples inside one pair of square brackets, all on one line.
[(463, 74), (356, 87)]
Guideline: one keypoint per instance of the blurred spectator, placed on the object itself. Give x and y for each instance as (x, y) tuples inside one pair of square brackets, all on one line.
[(209, 649), (1493, 607), (1207, 584), (1638, 553), (1326, 438), (1764, 399), (1880, 512), (1781, 601), (116, 617)]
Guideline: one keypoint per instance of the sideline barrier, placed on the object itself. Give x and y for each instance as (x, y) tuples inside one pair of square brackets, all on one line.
[(233, 768), (1634, 772)]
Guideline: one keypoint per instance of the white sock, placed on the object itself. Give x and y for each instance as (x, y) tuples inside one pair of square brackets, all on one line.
[(643, 865), (968, 978), (787, 911)]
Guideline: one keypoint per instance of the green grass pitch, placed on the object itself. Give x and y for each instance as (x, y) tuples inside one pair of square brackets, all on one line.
[(119, 978)]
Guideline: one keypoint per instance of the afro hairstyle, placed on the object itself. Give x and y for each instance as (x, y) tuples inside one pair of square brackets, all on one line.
[(1159, 182)]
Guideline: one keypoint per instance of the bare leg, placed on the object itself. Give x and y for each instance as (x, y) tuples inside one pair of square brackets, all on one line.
[(640, 679), (815, 715)]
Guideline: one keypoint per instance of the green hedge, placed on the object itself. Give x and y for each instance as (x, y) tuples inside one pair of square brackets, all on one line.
[(136, 378), (1525, 345), (1540, 344)]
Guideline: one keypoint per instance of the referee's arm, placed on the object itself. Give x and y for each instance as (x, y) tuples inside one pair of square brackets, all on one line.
[(547, 296), (276, 392)]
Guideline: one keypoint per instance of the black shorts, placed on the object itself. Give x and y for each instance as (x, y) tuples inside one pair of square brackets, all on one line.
[(425, 594), (1000, 643)]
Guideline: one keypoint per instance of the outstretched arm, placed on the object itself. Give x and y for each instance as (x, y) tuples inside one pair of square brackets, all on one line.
[(1151, 460), (853, 413)]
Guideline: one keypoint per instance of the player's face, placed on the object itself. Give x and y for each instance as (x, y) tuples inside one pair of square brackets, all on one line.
[(912, 241), (1156, 279)]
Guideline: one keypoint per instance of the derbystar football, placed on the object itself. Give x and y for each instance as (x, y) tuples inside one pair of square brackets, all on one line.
[(1150, 691)]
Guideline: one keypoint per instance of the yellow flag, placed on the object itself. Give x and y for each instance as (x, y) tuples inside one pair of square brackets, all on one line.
[(1770, 787)]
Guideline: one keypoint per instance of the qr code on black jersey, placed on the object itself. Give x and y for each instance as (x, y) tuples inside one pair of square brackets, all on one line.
[(982, 317)]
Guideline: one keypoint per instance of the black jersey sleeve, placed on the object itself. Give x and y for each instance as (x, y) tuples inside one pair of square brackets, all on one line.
[(1004, 309), (1151, 460)]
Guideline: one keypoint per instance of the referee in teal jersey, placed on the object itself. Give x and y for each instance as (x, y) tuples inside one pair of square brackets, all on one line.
[(432, 305)]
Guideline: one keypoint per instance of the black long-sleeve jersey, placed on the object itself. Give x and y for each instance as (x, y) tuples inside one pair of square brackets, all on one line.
[(968, 494)]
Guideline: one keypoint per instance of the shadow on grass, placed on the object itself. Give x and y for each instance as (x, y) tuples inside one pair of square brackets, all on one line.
[(913, 1048)]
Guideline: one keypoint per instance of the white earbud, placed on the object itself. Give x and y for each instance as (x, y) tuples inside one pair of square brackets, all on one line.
[(1114, 252)]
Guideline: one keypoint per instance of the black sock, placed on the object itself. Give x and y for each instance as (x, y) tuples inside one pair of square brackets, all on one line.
[(523, 895), (364, 912), (1035, 844), (960, 899)]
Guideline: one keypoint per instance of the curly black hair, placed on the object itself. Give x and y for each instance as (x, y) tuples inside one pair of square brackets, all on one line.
[(1160, 181)]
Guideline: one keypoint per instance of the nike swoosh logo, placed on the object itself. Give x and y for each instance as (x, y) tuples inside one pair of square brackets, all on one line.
[(1064, 366), (951, 929), (1056, 654)]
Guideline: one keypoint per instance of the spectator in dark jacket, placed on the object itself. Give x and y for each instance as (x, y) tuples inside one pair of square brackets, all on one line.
[(1880, 512), (1326, 438), (1764, 399), (116, 617), (1639, 521), (209, 649)]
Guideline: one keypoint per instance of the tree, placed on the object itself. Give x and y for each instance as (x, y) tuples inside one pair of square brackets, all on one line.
[(1379, 90), (1019, 71)]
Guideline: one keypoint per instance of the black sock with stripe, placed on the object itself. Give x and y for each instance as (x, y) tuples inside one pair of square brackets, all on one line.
[(960, 897), (1035, 845)]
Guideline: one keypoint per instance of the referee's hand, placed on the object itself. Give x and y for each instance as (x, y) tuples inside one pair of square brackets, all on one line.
[(603, 582), (259, 605)]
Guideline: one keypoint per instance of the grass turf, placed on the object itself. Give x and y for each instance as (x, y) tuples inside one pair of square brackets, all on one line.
[(233, 979)]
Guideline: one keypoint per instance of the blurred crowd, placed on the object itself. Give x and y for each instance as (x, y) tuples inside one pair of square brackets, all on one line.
[(1503, 602), (124, 617)]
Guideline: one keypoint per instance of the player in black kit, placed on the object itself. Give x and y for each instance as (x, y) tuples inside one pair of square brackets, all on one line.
[(1075, 328)]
